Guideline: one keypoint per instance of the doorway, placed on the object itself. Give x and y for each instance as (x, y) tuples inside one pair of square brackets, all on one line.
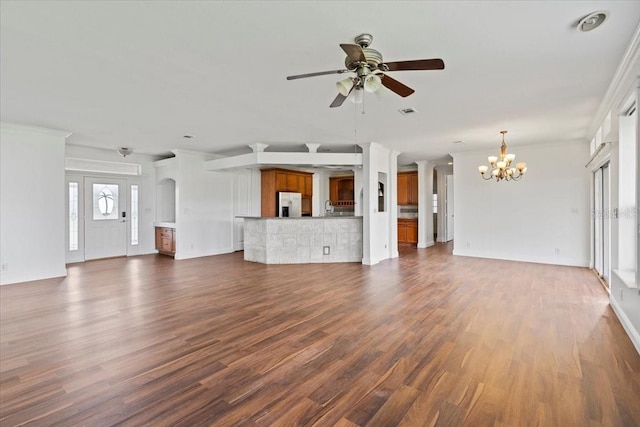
[(449, 221), (601, 223)]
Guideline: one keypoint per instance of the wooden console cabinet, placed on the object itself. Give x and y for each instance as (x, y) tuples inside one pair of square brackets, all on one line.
[(166, 240), (275, 180)]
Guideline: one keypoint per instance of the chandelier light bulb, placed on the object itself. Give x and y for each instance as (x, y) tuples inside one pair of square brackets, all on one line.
[(483, 169), (510, 157), (501, 164), (492, 159)]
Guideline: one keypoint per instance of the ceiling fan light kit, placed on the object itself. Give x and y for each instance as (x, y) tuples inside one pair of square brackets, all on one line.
[(369, 68)]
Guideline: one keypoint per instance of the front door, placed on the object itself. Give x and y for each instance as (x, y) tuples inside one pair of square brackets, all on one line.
[(105, 218)]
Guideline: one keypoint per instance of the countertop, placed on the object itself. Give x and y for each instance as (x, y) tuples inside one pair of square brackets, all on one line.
[(164, 224)]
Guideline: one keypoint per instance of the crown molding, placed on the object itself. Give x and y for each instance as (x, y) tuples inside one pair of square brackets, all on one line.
[(15, 127), (623, 81)]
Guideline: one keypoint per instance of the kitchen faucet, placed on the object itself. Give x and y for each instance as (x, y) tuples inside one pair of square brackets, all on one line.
[(330, 208)]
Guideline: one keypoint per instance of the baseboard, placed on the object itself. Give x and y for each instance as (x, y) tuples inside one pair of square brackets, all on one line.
[(626, 323), (426, 245), (60, 273), (538, 260)]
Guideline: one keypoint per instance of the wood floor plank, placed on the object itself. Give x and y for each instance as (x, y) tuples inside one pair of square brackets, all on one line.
[(427, 339)]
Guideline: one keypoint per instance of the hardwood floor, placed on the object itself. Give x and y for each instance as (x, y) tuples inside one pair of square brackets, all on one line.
[(426, 339)]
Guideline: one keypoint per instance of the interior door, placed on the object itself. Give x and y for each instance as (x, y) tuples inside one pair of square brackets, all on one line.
[(105, 218), (449, 207)]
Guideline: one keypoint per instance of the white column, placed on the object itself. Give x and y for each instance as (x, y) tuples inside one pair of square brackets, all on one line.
[(425, 204), (357, 191), (393, 204), (369, 202)]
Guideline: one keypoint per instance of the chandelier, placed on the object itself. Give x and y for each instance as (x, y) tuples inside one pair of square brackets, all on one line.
[(501, 169)]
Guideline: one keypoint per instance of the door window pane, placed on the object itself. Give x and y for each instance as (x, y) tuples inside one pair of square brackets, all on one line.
[(134, 215), (73, 216), (105, 201)]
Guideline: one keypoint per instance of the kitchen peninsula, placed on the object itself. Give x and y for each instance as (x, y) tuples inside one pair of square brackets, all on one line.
[(272, 240)]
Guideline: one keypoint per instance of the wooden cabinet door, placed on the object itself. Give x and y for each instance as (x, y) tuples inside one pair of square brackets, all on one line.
[(333, 190), (292, 182), (158, 238), (403, 189), (412, 232), (402, 233), (281, 181), (308, 186), (413, 189)]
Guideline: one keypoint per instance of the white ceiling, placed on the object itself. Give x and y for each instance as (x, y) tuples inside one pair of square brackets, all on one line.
[(143, 74)]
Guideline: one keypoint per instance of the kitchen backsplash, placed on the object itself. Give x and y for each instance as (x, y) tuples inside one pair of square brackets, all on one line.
[(408, 211)]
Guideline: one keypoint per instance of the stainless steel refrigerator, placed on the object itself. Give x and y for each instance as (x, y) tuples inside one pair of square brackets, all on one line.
[(289, 204)]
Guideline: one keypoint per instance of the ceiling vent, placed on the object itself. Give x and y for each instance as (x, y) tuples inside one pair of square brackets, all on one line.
[(407, 111), (592, 20)]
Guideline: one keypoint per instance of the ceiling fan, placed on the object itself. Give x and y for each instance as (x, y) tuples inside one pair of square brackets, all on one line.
[(370, 70)]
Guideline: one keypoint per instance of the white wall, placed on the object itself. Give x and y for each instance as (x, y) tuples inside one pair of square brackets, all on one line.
[(542, 218), (32, 203), (205, 208)]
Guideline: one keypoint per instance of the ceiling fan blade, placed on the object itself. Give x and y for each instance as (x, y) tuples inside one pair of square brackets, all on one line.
[(395, 86), (338, 101), (354, 52), (320, 73), (418, 64)]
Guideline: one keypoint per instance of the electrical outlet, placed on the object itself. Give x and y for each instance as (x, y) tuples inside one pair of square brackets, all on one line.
[(621, 295), (4, 267), (326, 250), (557, 251), (468, 244)]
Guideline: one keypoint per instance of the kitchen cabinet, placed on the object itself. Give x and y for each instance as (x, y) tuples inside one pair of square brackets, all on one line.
[(341, 191), (407, 230), (166, 240), (275, 180), (408, 188)]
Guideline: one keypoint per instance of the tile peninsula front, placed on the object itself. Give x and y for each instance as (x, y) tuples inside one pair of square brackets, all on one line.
[(302, 240)]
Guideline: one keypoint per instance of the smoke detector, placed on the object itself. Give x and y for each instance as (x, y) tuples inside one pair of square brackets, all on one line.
[(592, 20), (124, 151)]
